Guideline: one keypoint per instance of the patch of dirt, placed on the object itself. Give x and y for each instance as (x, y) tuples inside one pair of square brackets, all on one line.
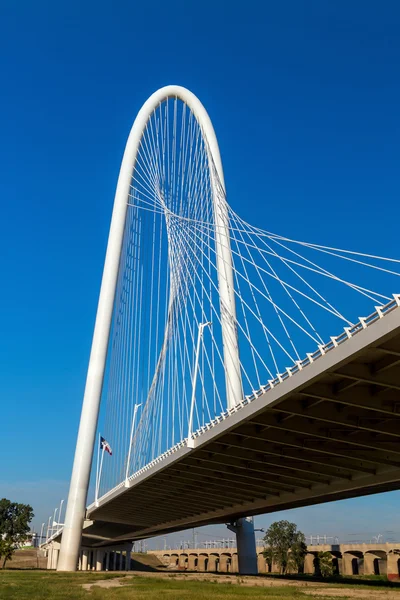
[(104, 583), (311, 588), (355, 593)]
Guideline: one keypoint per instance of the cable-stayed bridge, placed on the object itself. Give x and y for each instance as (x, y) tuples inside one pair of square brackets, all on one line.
[(220, 389)]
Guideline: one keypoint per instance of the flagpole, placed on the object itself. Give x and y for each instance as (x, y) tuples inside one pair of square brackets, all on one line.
[(100, 470)]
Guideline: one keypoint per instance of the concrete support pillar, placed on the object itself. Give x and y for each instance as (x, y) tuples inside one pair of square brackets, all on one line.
[(309, 564), (99, 560), (348, 564), (108, 560), (212, 563), (114, 563), (262, 565), (80, 561), (50, 558), (246, 545), (223, 563), (201, 565), (54, 558), (235, 563), (128, 556), (369, 563), (84, 560), (393, 566)]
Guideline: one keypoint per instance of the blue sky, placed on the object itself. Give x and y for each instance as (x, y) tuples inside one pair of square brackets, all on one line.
[(304, 98)]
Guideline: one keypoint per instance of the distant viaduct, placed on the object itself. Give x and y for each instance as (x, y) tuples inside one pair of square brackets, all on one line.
[(347, 559)]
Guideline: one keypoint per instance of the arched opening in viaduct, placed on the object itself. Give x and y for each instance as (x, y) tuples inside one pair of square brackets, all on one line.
[(225, 562), (193, 562), (213, 562), (174, 560), (375, 562), (353, 562)]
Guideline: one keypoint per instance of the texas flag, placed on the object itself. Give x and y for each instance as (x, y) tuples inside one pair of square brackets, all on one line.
[(104, 445)]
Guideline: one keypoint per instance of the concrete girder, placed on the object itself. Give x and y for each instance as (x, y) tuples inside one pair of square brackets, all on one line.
[(256, 466), (281, 466), (206, 476), (315, 445), (301, 455), (362, 373), (344, 416), (361, 397), (202, 481), (307, 429)]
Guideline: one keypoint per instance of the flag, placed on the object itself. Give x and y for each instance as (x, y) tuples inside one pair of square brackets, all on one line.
[(104, 445)]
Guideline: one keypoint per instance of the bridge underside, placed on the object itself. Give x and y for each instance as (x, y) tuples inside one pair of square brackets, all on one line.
[(329, 432)]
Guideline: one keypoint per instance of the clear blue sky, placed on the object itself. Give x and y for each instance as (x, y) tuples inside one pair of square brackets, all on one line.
[(305, 100)]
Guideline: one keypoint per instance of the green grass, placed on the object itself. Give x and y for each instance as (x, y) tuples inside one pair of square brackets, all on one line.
[(43, 585), (35, 585)]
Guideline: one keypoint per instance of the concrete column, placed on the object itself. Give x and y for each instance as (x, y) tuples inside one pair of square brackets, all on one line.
[(50, 558), (107, 560), (80, 561), (54, 558), (128, 557), (246, 545), (309, 564), (262, 565), (212, 563), (99, 560), (369, 563), (392, 566), (84, 560), (114, 561), (235, 563), (223, 563), (201, 565)]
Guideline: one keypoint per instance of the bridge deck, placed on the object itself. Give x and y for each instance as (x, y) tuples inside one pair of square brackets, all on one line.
[(329, 431)]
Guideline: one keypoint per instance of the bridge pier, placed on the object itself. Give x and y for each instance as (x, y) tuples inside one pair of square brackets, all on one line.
[(246, 545)]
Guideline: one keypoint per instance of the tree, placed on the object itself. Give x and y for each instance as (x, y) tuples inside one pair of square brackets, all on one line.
[(285, 545), (298, 552), (269, 557), (14, 526), (6, 550), (325, 564)]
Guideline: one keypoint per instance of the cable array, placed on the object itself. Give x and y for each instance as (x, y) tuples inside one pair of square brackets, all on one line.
[(290, 297)]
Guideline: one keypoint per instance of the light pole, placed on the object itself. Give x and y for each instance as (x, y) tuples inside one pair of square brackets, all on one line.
[(54, 520), (130, 444), (48, 529), (41, 535), (190, 441), (59, 516)]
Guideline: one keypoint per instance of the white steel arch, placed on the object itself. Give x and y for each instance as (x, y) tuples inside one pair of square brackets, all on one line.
[(71, 538)]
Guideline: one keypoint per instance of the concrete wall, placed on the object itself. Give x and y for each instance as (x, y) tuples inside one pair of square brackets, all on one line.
[(347, 559)]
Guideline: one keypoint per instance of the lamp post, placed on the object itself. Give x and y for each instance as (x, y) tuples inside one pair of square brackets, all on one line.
[(54, 520), (41, 535), (48, 529), (190, 440), (130, 444), (59, 516)]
